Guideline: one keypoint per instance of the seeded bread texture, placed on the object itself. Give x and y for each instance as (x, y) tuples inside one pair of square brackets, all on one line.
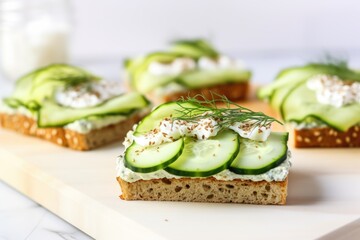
[(233, 91), (205, 190), (68, 138), (326, 137)]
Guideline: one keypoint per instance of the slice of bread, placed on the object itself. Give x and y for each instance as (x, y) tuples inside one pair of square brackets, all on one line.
[(233, 91), (326, 137), (68, 138), (205, 190)]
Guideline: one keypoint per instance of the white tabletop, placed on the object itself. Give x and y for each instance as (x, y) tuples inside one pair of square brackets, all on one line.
[(21, 218)]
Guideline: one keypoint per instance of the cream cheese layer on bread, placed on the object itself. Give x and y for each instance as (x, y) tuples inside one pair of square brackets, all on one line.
[(278, 173), (197, 138), (82, 126), (4, 108)]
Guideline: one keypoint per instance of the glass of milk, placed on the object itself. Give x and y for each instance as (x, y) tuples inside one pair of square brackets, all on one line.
[(33, 33)]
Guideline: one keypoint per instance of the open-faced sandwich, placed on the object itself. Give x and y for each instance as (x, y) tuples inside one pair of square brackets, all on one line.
[(321, 101), (192, 150), (71, 107), (187, 68)]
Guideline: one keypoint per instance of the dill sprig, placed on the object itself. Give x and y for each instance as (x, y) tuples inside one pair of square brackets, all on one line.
[(70, 76), (332, 61), (224, 111), (336, 66)]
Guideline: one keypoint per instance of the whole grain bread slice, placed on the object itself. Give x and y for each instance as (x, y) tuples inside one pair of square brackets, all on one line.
[(326, 137), (205, 190), (66, 137)]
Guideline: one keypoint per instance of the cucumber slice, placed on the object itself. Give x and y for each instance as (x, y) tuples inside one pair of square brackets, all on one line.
[(277, 99), (54, 115), (193, 79), (12, 102), (131, 65), (23, 86), (152, 120), (45, 90), (41, 83), (295, 75), (151, 158), (138, 68), (203, 158), (63, 73), (199, 79), (259, 157), (148, 82), (194, 48), (285, 80), (54, 76), (32, 106), (302, 103)]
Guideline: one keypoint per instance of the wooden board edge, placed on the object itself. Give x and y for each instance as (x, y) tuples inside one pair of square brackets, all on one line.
[(68, 203)]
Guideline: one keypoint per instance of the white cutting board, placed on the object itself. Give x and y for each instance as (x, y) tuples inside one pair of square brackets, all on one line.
[(80, 187)]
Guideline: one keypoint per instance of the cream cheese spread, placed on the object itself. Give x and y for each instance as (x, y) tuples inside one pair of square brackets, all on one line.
[(81, 126), (84, 126), (91, 123), (90, 95), (278, 173), (19, 110), (311, 124), (334, 91), (168, 89), (308, 123)]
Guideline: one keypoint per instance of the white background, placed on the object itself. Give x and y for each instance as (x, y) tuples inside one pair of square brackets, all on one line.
[(263, 27)]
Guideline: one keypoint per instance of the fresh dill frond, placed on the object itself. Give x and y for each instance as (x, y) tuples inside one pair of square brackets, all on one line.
[(224, 111), (332, 61), (68, 75), (335, 66)]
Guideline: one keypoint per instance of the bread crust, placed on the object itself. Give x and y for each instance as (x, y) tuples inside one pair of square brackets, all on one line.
[(206, 190), (66, 137), (326, 137)]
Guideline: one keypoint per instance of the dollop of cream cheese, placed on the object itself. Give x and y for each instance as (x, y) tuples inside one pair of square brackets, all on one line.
[(178, 66), (222, 62), (278, 173), (169, 130), (334, 91), (181, 65), (88, 95), (251, 130)]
